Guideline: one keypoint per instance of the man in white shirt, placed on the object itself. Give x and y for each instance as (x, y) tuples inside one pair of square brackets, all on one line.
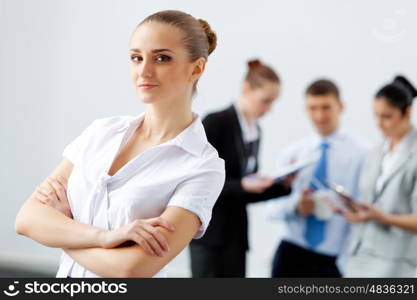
[(315, 239)]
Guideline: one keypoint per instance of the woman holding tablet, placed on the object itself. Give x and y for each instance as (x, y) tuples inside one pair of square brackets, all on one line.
[(236, 135), (384, 241), (120, 182)]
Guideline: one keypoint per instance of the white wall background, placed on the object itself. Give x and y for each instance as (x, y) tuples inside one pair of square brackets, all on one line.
[(64, 63)]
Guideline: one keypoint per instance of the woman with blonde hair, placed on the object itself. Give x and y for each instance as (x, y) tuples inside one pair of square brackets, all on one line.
[(132, 191)]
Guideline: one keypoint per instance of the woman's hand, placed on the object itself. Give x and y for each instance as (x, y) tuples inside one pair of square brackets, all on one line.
[(55, 196), (288, 180), (143, 232), (256, 184), (363, 212)]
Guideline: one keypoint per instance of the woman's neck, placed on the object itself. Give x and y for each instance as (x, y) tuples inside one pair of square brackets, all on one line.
[(164, 122), (398, 138), (244, 110)]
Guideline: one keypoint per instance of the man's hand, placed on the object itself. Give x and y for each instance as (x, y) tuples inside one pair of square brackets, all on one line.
[(305, 206)]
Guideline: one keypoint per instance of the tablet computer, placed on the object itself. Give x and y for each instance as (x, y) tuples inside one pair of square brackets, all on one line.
[(294, 168), (345, 196)]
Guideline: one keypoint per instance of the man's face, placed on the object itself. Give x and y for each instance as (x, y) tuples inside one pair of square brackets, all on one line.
[(324, 111)]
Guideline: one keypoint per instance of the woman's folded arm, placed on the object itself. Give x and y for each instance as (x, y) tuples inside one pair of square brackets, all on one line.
[(133, 261), (52, 228)]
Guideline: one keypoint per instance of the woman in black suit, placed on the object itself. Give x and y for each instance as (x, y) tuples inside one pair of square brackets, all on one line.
[(235, 134)]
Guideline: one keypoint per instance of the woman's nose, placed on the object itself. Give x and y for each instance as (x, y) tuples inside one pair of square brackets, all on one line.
[(145, 69)]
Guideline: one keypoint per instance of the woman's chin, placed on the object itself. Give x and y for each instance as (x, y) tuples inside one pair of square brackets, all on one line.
[(147, 99)]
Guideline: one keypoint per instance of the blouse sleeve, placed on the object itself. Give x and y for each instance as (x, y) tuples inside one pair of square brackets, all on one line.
[(74, 148), (199, 192)]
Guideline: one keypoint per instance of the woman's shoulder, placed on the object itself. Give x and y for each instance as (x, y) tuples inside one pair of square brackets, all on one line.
[(219, 115), (210, 159)]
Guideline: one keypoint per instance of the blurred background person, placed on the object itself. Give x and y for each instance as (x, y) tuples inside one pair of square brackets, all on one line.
[(235, 133), (384, 241), (315, 238)]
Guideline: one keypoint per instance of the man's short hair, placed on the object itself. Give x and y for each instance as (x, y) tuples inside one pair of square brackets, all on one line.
[(323, 87)]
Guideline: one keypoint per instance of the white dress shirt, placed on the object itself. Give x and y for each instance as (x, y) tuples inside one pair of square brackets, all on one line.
[(185, 171), (250, 133), (344, 159)]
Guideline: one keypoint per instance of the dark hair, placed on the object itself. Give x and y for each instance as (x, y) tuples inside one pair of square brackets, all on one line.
[(323, 87), (258, 72), (199, 39), (400, 93)]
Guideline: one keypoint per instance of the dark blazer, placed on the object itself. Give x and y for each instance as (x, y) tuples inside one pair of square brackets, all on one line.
[(229, 224)]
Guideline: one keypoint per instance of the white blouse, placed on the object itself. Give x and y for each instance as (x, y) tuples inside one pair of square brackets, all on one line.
[(250, 133), (185, 171), (390, 160)]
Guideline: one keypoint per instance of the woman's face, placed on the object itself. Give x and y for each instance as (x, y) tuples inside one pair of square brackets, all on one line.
[(260, 100), (389, 119), (160, 67)]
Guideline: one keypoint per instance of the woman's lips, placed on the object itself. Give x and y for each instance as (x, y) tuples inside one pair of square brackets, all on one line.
[(147, 86)]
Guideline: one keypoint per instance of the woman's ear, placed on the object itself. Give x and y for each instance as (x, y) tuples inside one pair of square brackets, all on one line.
[(198, 68), (408, 113)]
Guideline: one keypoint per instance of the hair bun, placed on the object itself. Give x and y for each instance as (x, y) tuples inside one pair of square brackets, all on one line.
[(406, 85), (211, 35), (254, 63)]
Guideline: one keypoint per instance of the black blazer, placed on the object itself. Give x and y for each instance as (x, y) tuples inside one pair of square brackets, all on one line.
[(229, 224)]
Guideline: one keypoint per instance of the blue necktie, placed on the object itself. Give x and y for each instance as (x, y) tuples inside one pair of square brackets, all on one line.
[(315, 228)]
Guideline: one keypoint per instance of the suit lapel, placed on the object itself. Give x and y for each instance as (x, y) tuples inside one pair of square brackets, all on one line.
[(374, 169), (411, 149), (256, 152), (238, 139)]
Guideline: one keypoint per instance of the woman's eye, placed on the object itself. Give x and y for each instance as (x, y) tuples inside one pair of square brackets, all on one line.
[(135, 58), (163, 58)]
